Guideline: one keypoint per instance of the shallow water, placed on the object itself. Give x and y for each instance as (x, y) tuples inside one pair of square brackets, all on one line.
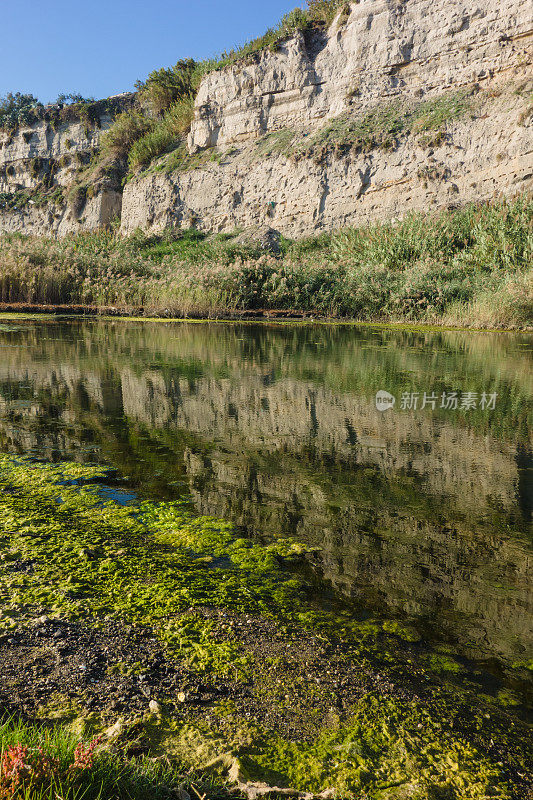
[(422, 512)]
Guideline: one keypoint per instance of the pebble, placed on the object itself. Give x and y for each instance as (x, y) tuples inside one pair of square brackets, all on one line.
[(154, 707)]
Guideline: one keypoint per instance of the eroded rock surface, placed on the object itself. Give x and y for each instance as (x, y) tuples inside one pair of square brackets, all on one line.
[(380, 49), (301, 138), (472, 160)]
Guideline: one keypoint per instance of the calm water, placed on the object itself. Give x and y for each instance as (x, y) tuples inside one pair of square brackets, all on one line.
[(423, 513)]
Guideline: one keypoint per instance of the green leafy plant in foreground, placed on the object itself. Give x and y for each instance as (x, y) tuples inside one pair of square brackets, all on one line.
[(25, 769), (40, 762)]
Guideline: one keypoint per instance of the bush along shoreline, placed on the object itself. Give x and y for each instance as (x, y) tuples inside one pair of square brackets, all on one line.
[(149, 652), (468, 267)]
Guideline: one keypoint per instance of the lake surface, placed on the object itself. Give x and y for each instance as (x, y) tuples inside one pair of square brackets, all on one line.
[(422, 511)]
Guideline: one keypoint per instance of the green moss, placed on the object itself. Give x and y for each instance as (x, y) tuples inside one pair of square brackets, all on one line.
[(158, 565), (405, 632), (386, 745), (527, 664), (506, 697), (120, 668)]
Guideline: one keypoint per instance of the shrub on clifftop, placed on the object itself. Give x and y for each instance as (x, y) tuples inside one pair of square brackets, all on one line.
[(163, 87), (126, 130), (18, 109)]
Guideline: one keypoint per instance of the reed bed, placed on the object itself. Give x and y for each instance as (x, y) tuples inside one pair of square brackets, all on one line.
[(467, 267)]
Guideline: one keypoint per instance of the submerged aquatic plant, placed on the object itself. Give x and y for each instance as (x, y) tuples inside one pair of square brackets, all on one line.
[(158, 565)]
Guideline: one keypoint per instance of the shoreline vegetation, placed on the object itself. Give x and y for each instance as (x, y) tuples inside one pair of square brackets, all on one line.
[(468, 267), (150, 652)]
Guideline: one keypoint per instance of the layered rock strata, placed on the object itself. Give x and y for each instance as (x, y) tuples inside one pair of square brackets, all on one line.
[(377, 58), (42, 162), (374, 50), (400, 105)]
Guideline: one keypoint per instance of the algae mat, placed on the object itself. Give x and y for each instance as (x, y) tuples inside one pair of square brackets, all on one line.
[(299, 694)]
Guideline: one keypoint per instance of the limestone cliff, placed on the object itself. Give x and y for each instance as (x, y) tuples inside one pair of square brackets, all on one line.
[(375, 49), (399, 105), (339, 127), (40, 168)]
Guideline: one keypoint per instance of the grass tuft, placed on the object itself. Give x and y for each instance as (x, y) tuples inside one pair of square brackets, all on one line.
[(40, 762), (125, 131), (166, 135)]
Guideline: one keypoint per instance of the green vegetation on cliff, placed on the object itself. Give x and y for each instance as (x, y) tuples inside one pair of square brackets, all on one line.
[(468, 267), (22, 110), (165, 100)]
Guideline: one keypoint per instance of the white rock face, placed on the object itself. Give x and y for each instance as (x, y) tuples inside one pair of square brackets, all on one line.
[(379, 52), (57, 221), (475, 160), (31, 152), (383, 48), (42, 141)]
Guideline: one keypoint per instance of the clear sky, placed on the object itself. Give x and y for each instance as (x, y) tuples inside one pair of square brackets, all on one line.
[(101, 47)]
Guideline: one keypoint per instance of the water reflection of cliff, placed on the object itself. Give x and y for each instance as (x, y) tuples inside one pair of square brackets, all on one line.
[(422, 513)]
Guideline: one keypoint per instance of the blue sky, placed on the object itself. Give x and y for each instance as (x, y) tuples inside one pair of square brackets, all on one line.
[(101, 47)]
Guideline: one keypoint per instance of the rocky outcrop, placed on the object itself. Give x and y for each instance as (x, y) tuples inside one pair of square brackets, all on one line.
[(41, 162), (473, 160), (375, 49), (400, 105), (378, 56), (59, 219)]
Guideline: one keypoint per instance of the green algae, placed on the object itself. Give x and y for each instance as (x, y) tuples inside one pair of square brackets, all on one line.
[(157, 564), (385, 744), (405, 632), (150, 564), (440, 662), (120, 668)]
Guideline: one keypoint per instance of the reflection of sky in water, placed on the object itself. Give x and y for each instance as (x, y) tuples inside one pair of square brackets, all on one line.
[(119, 496)]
